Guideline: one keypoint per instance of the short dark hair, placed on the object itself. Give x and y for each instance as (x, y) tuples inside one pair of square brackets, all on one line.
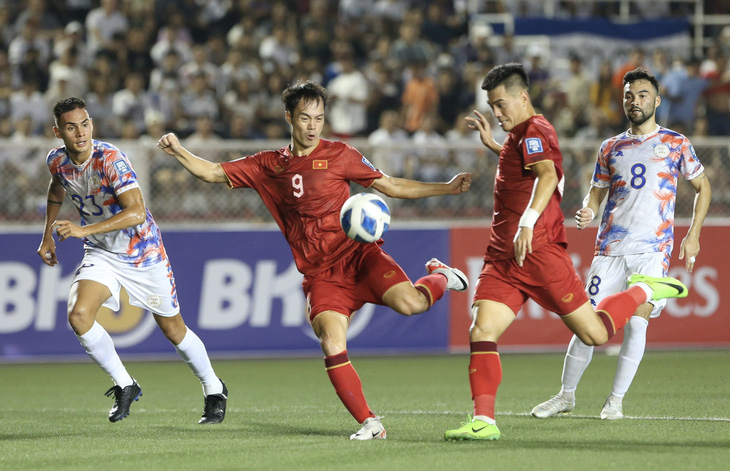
[(66, 105), (309, 91), (510, 75), (641, 73)]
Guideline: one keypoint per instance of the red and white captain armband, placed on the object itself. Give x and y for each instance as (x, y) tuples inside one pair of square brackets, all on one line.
[(529, 218)]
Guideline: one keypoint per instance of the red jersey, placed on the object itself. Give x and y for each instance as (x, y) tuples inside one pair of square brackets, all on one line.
[(531, 141), (305, 195)]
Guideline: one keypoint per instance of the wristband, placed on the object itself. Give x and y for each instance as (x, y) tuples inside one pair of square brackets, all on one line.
[(529, 218)]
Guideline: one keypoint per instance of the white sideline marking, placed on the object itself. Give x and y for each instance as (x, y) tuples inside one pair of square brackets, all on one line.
[(527, 414)]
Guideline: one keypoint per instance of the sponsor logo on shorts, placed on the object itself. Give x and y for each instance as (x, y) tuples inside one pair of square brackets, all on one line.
[(472, 370), (568, 298), (389, 274), (154, 300)]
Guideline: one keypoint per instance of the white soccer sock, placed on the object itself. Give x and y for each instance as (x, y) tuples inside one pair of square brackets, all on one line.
[(630, 355), (100, 347), (577, 359), (647, 290), (486, 419), (192, 350)]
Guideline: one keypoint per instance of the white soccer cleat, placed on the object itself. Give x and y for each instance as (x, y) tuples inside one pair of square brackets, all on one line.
[(553, 406), (613, 408), (371, 429), (455, 279)]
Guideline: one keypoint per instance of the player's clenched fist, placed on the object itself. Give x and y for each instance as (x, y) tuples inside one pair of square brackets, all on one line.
[(169, 143)]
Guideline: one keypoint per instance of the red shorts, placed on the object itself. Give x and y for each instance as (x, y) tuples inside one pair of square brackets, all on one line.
[(547, 277), (361, 277)]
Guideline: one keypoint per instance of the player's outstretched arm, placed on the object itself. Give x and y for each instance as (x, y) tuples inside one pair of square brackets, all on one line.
[(690, 246), (133, 213), (547, 181), (591, 204), (47, 249), (412, 189), (203, 169)]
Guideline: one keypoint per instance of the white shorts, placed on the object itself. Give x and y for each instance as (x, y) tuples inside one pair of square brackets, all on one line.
[(609, 275), (152, 288)]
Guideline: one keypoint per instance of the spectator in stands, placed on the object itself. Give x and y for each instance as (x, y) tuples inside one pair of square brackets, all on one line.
[(28, 101), (73, 36), (204, 133), (277, 51), (29, 40), (577, 89), (420, 96), (99, 104), (35, 10), (602, 94), (235, 68), (132, 101), (449, 86), (683, 88), (172, 37), (138, 57), (198, 99), (7, 31), (68, 66), (199, 65), (409, 47), (240, 127), (349, 93), (508, 52), (391, 161), (102, 23), (244, 99), (717, 96)]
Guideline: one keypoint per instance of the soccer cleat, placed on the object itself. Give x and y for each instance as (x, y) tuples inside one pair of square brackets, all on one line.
[(552, 407), (474, 430), (455, 279), (371, 429), (215, 407), (123, 398), (662, 287), (612, 408)]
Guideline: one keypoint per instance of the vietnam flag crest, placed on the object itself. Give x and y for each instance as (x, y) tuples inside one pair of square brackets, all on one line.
[(319, 164)]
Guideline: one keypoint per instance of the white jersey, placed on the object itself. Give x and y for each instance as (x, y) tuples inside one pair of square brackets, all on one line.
[(641, 174), (94, 187)]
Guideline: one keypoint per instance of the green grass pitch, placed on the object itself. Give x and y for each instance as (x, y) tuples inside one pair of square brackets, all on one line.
[(284, 415)]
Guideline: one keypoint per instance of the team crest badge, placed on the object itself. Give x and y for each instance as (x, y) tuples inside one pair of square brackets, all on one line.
[(154, 300), (94, 182), (661, 151), (319, 164)]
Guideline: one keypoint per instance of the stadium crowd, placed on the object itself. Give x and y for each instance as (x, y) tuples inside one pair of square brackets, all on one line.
[(395, 69)]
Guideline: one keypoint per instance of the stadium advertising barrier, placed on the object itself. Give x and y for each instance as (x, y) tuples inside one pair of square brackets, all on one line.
[(238, 290), (702, 320)]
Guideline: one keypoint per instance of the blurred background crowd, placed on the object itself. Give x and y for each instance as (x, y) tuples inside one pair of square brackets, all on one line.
[(210, 69), (402, 75)]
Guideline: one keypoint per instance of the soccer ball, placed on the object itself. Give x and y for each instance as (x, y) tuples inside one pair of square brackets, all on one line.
[(365, 217)]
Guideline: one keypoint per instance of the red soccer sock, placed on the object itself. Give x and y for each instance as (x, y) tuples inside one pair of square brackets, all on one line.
[(432, 286), (485, 375), (616, 310), (347, 385)]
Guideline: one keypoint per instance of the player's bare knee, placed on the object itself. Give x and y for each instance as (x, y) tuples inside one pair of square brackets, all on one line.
[(593, 339), (80, 319)]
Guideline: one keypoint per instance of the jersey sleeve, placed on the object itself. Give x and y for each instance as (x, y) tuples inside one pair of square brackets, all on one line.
[(536, 146), (690, 165), (243, 172), (602, 172), (359, 169), (119, 172)]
